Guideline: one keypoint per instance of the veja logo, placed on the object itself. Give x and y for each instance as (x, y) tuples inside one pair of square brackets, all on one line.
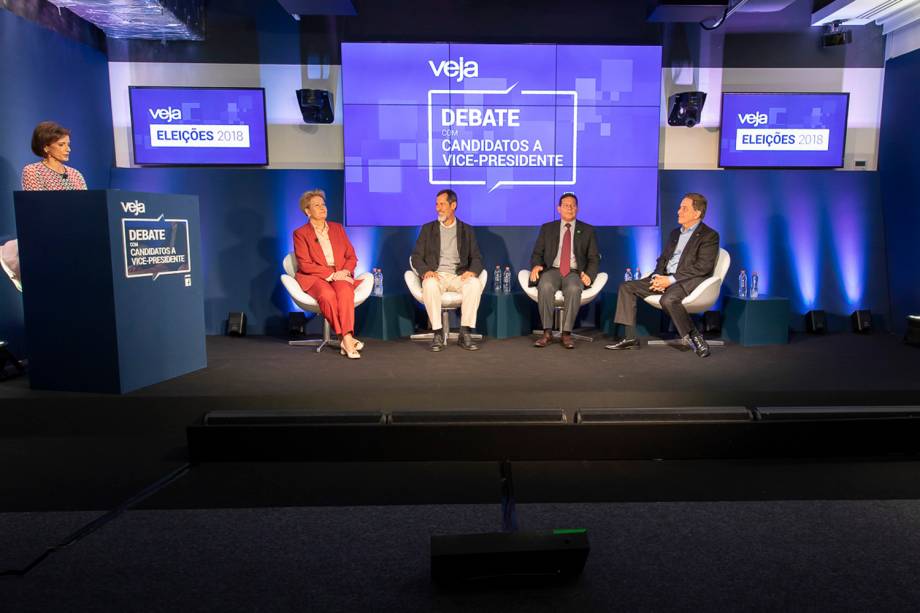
[(168, 114), (135, 207), (754, 119), (462, 69)]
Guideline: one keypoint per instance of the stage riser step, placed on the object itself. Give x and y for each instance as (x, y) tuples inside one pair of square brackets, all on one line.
[(601, 441)]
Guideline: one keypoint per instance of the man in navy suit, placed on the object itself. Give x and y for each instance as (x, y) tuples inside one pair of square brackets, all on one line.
[(565, 257), (687, 260)]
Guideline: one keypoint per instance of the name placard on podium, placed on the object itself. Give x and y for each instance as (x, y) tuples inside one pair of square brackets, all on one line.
[(113, 293)]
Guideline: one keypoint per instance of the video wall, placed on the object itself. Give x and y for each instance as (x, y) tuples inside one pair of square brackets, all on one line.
[(206, 126), (783, 130), (508, 127)]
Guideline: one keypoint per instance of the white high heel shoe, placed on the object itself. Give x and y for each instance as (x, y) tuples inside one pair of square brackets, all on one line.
[(351, 355)]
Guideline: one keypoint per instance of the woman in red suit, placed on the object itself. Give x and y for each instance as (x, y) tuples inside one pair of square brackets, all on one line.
[(326, 268)]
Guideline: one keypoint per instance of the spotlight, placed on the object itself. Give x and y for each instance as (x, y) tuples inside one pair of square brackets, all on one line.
[(686, 108), (297, 323), (315, 105), (912, 335), (861, 321), (816, 322), (236, 324), (834, 35), (712, 322)]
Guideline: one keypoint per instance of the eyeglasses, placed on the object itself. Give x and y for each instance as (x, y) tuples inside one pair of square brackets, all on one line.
[(568, 206)]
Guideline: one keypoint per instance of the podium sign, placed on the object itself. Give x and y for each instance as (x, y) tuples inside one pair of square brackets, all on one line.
[(113, 293)]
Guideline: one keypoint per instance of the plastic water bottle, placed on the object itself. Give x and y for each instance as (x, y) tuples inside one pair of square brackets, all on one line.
[(628, 275), (378, 282), (497, 280), (742, 284), (754, 291), (638, 274), (506, 280)]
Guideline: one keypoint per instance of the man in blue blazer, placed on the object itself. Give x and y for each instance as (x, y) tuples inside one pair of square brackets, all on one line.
[(687, 260)]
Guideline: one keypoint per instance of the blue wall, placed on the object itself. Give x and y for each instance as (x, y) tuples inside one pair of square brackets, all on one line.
[(899, 167), (814, 236), (47, 77)]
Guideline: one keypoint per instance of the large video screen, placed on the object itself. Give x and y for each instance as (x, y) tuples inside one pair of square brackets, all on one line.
[(788, 130), (508, 127), (201, 126)]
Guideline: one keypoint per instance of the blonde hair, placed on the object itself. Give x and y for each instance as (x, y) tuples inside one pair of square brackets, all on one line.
[(305, 199)]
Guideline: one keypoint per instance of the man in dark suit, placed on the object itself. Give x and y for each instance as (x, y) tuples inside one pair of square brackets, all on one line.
[(446, 257), (565, 257), (687, 260)]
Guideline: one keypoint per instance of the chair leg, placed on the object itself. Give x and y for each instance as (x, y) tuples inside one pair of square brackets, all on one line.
[(558, 318), (320, 343), (445, 325), (677, 341)]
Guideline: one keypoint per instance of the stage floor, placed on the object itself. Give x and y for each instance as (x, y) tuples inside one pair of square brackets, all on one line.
[(266, 373), (90, 451)]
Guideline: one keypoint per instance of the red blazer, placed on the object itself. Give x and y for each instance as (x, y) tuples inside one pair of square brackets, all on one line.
[(311, 261)]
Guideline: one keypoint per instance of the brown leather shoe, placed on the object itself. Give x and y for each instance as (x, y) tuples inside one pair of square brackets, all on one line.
[(544, 340), (567, 340)]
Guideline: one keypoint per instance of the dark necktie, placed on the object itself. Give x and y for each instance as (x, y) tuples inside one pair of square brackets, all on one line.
[(565, 257)]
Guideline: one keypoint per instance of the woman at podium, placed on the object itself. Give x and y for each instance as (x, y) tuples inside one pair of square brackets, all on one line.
[(326, 264), (51, 143)]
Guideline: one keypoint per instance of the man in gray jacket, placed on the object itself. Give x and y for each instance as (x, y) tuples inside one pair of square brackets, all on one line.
[(446, 258)]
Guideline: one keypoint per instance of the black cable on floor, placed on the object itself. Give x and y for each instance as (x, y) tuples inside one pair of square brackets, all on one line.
[(101, 520)]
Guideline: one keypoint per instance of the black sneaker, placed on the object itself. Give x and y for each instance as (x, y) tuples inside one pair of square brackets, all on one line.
[(465, 341), (623, 344), (437, 341), (699, 344)]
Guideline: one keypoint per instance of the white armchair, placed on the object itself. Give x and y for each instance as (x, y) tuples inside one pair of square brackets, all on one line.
[(704, 296), (308, 303), (9, 273), (450, 301), (587, 295)]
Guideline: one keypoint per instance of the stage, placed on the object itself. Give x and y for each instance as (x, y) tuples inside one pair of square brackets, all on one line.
[(265, 373), (72, 456)]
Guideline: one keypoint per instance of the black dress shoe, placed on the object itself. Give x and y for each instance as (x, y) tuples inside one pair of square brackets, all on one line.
[(567, 341), (699, 344), (465, 341), (437, 341), (626, 343)]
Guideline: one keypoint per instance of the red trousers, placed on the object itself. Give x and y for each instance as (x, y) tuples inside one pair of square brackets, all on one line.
[(337, 303)]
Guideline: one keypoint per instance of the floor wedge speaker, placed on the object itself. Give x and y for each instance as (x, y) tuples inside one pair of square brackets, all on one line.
[(479, 416), (661, 415), (509, 558)]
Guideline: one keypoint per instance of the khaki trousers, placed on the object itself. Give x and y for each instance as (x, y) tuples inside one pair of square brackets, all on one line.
[(470, 289)]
